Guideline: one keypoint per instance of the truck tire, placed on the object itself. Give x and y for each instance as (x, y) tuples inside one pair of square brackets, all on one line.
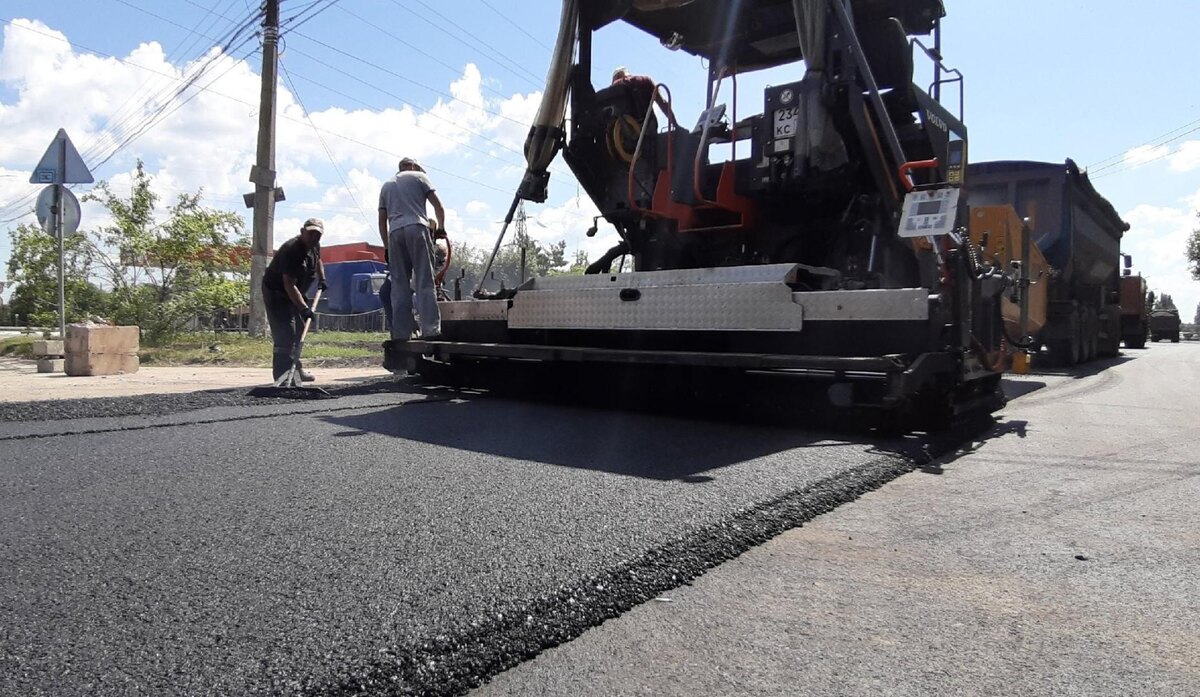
[(1090, 339), (1135, 341), (1066, 351)]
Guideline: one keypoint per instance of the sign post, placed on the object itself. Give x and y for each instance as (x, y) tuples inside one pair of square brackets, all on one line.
[(60, 165)]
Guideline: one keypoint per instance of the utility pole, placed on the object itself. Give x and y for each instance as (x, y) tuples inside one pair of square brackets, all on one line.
[(263, 172)]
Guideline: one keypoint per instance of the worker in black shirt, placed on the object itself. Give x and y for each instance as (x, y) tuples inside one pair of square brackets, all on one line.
[(291, 271)]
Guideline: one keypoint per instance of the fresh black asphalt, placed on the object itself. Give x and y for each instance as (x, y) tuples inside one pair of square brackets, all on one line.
[(391, 543)]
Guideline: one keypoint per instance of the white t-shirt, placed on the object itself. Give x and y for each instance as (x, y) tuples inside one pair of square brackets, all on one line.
[(403, 198)]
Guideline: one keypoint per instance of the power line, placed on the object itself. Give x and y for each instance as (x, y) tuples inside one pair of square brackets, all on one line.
[(398, 76), (139, 123), (324, 146), (400, 40), (520, 28), (125, 132), (287, 24), (1170, 137), (404, 101), (208, 88), (527, 76), (482, 42), (142, 95), (1107, 171)]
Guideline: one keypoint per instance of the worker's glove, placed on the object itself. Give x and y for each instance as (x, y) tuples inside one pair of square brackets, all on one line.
[(322, 286), (306, 313)]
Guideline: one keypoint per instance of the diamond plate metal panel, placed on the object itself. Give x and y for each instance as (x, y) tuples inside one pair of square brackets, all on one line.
[(711, 306), (777, 273), (454, 310), (865, 305)]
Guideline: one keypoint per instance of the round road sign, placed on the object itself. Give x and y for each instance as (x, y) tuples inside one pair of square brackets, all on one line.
[(70, 211)]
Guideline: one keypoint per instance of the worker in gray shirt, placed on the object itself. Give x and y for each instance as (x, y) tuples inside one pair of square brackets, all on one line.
[(405, 229)]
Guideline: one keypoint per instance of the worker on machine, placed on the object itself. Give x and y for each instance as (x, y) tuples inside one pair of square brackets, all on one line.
[(405, 228), (292, 270)]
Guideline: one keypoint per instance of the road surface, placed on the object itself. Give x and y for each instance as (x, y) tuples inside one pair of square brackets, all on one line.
[(421, 542), (1056, 555)]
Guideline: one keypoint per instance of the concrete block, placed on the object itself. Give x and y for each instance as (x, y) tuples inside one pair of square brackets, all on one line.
[(48, 347), (51, 365), (90, 364), (99, 338)]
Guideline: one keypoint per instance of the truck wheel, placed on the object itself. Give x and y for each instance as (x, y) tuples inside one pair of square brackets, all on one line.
[(1066, 351), (1090, 341)]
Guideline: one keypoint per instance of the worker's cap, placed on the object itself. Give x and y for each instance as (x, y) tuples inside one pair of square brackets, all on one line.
[(314, 224), (408, 161)]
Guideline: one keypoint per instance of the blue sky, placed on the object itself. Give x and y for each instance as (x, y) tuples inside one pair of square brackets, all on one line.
[(454, 82)]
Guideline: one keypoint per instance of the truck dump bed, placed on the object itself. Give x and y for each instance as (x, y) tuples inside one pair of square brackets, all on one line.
[(1076, 228)]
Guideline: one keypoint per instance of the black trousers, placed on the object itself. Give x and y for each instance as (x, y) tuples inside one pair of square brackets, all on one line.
[(286, 324)]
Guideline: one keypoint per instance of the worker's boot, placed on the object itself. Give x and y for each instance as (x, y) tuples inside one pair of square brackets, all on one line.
[(304, 376)]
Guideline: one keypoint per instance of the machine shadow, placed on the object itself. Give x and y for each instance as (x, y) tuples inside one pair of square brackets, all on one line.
[(656, 430), (652, 446), (1084, 370)]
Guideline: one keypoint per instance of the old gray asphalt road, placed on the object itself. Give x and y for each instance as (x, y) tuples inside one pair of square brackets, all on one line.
[(394, 543), (1058, 559)]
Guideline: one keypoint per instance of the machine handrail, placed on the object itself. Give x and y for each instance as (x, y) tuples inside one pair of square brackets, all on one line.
[(672, 124), (940, 67), (696, 172), (907, 168)]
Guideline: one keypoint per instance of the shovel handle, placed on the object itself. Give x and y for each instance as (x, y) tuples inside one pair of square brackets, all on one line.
[(308, 322)]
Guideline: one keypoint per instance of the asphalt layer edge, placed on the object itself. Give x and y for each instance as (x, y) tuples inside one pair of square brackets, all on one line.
[(457, 661)]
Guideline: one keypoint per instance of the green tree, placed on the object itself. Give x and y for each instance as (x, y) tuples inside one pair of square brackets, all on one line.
[(1193, 253), (507, 271), (33, 269), (164, 274)]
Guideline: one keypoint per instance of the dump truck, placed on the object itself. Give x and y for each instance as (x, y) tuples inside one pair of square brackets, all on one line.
[(1135, 310), (1165, 324), (822, 237), (353, 273), (1078, 232)]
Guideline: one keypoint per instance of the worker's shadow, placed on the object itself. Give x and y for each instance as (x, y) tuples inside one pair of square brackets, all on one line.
[(633, 444)]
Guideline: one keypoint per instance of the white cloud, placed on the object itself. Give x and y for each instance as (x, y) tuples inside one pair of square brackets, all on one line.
[(1157, 237), (1187, 157), (471, 144), (1146, 153)]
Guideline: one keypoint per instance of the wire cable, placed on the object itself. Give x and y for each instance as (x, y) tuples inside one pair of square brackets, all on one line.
[(516, 72), (1095, 166), (519, 28), (296, 93), (1108, 171)]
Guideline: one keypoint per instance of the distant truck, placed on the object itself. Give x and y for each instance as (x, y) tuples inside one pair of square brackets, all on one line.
[(1079, 234), (1135, 311), (354, 272), (1164, 324)]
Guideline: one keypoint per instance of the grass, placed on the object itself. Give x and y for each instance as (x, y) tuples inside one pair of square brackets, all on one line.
[(17, 346), (232, 349)]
